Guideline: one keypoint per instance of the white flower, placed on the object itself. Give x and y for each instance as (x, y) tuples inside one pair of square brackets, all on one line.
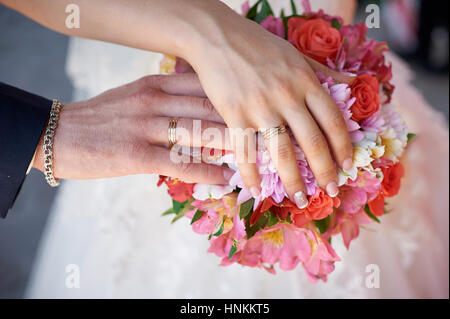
[(393, 147), (204, 191), (344, 175), (362, 156)]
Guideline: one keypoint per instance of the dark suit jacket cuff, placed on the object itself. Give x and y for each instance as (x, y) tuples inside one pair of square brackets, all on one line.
[(23, 117)]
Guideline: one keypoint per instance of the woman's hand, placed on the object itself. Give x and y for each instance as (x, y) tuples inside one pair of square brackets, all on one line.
[(124, 131), (258, 80)]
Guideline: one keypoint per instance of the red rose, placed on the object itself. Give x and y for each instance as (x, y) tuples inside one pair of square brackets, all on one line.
[(365, 90), (315, 38), (320, 206), (392, 179)]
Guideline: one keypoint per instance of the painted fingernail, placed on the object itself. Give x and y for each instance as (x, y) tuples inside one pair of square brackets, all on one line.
[(347, 164), (300, 200), (228, 173), (255, 191), (332, 189)]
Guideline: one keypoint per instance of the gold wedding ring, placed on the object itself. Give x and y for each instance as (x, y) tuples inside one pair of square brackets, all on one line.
[(268, 133), (172, 132)]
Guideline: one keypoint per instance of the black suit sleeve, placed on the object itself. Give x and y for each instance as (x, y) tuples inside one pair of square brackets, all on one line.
[(23, 117)]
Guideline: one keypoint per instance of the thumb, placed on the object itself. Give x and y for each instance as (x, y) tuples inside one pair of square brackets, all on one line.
[(319, 67)]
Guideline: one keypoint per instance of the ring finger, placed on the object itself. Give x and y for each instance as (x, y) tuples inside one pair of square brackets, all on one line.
[(282, 154), (190, 132)]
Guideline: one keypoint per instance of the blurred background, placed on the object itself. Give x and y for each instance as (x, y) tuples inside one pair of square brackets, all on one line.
[(33, 58)]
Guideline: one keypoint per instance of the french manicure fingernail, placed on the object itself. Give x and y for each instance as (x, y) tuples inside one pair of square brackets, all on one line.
[(300, 200), (228, 173), (347, 164), (255, 191), (332, 189)]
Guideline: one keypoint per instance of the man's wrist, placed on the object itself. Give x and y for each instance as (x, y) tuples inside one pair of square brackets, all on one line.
[(31, 163), (38, 162)]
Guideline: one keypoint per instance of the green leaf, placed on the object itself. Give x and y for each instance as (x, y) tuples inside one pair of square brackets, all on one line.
[(220, 231), (260, 224), (265, 11), (294, 8), (410, 136), (246, 208), (369, 213), (323, 224), (335, 24), (210, 236), (232, 251), (168, 212), (177, 217), (198, 214), (251, 14), (288, 219), (272, 219), (177, 206), (185, 208), (285, 20)]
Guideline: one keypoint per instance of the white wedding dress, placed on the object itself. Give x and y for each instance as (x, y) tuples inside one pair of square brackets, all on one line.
[(113, 231)]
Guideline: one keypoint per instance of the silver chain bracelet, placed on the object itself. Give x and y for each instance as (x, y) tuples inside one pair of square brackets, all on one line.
[(48, 144)]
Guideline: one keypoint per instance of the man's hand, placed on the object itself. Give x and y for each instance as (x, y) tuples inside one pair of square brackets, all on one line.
[(124, 131)]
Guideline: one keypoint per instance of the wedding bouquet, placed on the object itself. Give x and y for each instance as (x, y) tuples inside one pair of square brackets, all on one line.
[(264, 231)]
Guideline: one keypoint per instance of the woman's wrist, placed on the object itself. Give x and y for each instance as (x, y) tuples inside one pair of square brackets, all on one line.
[(209, 24)]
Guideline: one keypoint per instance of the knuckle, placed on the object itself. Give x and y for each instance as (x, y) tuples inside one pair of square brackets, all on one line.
[(185, 168), (145, 96), (207, 105), (249, 177), (293, 184), (305, 76), (336, 122), (211, 172), (315, 89), (317, 144), (326, 175), (148, 80), (345, 150), (285, 152)]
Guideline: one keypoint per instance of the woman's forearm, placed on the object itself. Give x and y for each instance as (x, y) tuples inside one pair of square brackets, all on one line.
[(169, 26)]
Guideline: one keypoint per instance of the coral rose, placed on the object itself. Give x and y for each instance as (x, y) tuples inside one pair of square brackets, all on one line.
[(365, 89), (314, 37), (392, 179), (320, 206)]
